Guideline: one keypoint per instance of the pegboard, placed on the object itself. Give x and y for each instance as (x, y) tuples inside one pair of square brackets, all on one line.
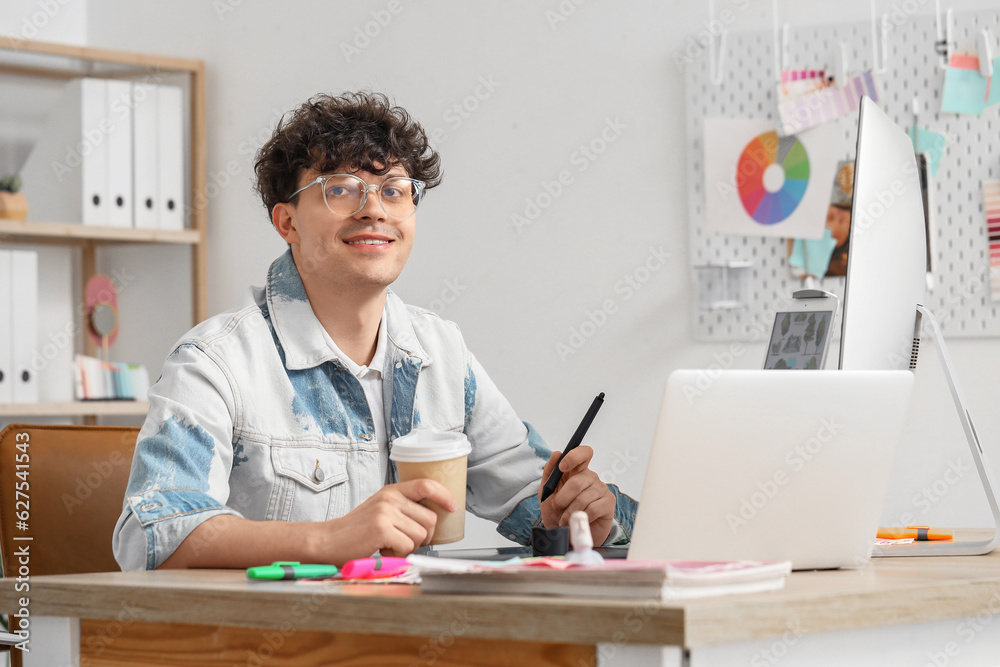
[(960, 288)]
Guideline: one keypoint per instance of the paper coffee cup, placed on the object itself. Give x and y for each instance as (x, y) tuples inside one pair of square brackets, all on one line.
[(441, 456)]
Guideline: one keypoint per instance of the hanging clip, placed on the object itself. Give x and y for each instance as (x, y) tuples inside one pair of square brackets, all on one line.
[(716, 61), (840, 66), (880, 48), (944, 35), (780, 43), (985, 53)]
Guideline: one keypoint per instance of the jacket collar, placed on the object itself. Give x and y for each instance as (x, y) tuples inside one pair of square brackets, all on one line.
[(302, 336)]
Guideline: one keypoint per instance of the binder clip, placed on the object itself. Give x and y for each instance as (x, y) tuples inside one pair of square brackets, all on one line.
[(985, 53)]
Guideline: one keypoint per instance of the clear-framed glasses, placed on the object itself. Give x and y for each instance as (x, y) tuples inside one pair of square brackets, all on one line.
[(346, 194)]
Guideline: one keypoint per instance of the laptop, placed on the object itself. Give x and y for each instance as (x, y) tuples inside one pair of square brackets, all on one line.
[(771, 465)]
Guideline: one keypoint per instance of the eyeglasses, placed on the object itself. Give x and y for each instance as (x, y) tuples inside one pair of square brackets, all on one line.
[(346, 194)]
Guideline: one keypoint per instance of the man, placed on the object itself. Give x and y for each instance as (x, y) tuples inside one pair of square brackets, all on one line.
[(269, 430)]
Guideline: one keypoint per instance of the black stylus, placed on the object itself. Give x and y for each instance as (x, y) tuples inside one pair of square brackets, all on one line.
[(574, 442)]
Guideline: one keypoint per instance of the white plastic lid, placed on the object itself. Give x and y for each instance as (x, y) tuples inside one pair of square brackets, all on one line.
[(429, 444)]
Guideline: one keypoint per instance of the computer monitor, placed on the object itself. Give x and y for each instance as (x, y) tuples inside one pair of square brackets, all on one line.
[(885, 290), (886, 256)]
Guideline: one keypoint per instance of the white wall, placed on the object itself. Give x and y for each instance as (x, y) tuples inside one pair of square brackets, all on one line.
[(63, 21), (554, 87)]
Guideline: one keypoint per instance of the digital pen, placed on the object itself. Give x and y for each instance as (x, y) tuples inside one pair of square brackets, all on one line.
[(574, 442)]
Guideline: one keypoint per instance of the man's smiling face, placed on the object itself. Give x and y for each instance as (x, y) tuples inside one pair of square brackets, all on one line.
[(364, 250)]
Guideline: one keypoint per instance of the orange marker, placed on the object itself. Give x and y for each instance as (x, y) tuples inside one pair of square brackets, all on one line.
[(918, 533)]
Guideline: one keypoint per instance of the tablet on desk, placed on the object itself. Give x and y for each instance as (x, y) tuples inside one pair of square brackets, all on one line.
[(503, 553)]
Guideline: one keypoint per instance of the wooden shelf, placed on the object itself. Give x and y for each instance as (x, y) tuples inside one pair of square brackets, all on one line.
[(34, 58), (74, 409), (69, 232)]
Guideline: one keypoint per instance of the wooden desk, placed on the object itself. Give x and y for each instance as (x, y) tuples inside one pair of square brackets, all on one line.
[(226, 619)]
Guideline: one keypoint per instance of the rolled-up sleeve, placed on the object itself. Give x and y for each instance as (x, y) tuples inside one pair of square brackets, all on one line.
[(506, 463), (506, 460), (183, 457)]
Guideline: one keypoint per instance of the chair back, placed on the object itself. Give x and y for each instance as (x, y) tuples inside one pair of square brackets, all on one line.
[(63, 486)]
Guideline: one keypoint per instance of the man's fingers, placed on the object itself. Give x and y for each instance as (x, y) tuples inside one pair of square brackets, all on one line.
[(418, 531), (429, 489), (420, 513), (393, 529), (550, 465), (579, 457), (593, 500), (405, 525)]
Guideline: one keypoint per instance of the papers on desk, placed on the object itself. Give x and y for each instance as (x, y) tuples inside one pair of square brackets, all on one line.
[(636, 579)]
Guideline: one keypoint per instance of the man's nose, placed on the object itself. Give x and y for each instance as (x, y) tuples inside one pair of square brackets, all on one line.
[(372, 210)]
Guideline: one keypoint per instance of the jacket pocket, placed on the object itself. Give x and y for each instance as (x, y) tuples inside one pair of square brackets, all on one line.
[(309, 484)]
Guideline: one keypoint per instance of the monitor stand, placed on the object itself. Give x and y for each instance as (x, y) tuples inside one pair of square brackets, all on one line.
[(965, 547)]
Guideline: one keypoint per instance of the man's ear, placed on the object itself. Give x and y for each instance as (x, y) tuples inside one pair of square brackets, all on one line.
[(283, 219)]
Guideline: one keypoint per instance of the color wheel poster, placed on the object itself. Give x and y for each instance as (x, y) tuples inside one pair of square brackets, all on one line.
[(760, 184)]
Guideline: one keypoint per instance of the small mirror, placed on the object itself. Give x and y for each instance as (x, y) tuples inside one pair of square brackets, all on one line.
[(103, 319)]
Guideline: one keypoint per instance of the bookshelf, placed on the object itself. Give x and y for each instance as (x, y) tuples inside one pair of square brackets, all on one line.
[(33, 59)]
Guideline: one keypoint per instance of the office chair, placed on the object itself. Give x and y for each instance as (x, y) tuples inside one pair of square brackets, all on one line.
[(76, 478)]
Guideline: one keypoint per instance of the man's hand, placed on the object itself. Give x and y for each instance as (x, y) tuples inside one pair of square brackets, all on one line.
[(391, 521), (580, 489)]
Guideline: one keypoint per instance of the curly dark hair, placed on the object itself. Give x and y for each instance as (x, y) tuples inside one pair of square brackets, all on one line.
[(359, 130)]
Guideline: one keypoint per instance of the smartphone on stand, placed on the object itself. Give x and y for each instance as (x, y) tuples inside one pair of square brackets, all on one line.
[(800, 335)]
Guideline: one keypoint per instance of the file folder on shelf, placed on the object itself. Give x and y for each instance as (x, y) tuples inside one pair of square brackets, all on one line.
[(6, 330), (145, 156), (171, 146), (66, 174), (158, 156), (24, 324), (80, 169), (119, 140)]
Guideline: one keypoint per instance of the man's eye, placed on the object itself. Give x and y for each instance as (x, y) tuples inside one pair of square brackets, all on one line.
[(397, 190), (337, 191)]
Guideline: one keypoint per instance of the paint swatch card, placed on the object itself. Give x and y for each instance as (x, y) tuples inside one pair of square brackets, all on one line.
[(965, 89), (799, 82), (930, 142), (991, 205), (826, 104), (760, 184)]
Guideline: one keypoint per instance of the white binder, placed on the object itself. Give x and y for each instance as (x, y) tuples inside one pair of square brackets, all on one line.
[(171, 146), (7, 322), (66, 175), (90, 96), (119, 140), (24, 322), (145, 156)]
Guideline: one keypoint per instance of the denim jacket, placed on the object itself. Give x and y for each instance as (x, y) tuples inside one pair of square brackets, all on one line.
[(254, 415)]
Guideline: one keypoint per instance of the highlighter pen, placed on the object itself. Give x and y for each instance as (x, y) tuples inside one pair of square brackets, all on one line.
[(291, 570), (574, 442), (374, 568), (918, 533)]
